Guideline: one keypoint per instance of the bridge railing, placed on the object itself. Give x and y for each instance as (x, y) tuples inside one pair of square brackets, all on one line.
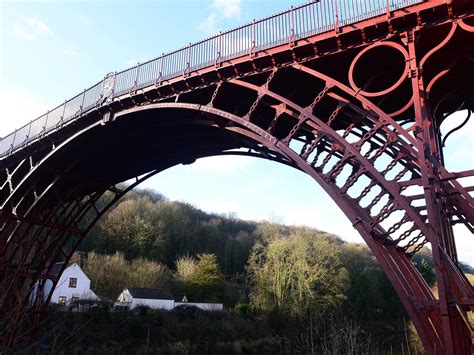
[(286, 27)]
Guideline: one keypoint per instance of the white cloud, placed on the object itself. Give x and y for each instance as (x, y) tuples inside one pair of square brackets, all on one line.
[(221, 10), (209, 25), (30, 29), (18, 108), (222, 164), (228, 8)]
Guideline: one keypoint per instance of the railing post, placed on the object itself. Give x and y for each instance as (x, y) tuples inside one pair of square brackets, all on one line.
[(336, 17), (134, 86), (188, 62), (112, 95), (29, 132), (161, 64), (218, 54), (64, 110), (12, 145), (46, 120), (108, 88), (254, 44), (160, 73), (291, 40), (82, 103)]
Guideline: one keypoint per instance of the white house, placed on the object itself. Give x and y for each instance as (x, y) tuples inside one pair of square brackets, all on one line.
[(151, 297), (131, 298), (73, 285)]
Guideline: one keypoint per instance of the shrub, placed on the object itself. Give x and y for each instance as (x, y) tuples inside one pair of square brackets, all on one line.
[(242, 309), (141, 310), (187, 312)]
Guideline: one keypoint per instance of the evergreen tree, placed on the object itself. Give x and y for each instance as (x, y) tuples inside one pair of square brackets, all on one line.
[(427, 272)]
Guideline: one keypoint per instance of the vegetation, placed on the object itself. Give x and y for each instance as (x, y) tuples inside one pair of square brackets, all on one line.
[(110, 274), (290, 289), (297, 274), (427, 272), (200, 278), (144, 224)]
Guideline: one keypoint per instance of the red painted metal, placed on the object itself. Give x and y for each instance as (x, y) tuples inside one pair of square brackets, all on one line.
[(294, 106), (387, 90)]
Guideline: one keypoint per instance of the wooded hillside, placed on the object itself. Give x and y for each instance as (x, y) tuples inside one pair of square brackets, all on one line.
[(281, 279)]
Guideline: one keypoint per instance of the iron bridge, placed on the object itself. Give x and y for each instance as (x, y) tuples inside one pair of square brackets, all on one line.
[(353, 93)]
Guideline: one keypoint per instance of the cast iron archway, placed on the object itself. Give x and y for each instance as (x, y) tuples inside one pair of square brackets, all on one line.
[(368, 133)]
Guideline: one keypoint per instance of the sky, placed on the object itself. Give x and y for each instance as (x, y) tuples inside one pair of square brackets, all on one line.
[(52, 50)]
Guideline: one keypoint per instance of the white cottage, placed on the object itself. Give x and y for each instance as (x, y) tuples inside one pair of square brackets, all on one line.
[(73, 285), (151, 297)]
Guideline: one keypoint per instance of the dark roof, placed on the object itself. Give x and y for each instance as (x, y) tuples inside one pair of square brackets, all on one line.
[(150, 293), (57, 267)]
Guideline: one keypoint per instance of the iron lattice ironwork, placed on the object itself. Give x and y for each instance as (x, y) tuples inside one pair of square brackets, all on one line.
[(351, 93)]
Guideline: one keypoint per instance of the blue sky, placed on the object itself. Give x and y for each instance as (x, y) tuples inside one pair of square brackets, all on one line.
[(51, 50)]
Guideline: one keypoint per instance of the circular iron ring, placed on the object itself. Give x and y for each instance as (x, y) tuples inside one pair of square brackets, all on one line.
[(391, 88)]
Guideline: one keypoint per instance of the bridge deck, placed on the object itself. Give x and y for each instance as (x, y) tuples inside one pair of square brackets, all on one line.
[(323, 19)]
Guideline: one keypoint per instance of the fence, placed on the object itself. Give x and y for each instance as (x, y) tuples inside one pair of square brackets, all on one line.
[(288, 26)]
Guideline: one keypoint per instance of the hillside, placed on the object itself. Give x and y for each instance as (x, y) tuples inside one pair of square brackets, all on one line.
[(282, 286), (146, 224)]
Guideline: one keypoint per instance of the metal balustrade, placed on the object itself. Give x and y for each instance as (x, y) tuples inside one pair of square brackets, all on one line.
[(298, 22)]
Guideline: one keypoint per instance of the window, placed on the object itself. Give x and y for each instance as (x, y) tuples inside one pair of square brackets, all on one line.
[(72, 282), (75, 300), (62, 300)]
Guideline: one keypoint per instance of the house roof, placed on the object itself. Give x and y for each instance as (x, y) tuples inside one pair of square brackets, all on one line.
[(150, 293), (57, 267)]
